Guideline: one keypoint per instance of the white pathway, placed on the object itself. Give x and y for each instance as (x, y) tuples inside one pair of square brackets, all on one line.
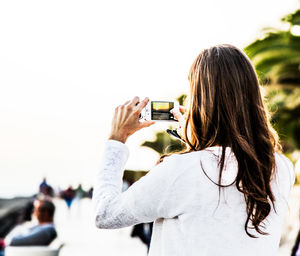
[(77, 230)]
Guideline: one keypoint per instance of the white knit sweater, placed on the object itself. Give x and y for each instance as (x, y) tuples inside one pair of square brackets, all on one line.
[(190, 216)]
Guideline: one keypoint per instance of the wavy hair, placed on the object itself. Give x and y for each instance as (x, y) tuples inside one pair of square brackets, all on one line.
[(226, 109)]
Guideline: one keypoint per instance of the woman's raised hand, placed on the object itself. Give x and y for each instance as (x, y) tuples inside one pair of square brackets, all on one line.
[(126, 119)]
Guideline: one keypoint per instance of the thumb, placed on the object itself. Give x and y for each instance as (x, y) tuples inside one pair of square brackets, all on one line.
[(146, 124)]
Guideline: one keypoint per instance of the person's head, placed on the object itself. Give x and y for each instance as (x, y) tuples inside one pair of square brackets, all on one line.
[(225, 99), (226, 109), (44, 211)]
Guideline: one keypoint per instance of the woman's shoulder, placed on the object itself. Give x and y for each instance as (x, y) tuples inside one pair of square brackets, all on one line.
[(283, 162), (207, 154), (202, 165), (190, 161)]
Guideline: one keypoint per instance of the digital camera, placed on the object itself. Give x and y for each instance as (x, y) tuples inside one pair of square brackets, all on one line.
[(159, 111)]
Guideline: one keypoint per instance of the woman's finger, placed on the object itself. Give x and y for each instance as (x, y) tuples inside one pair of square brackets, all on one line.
[(126, 102), (142, 104), (134, 101), (146, 124), (120, 112)]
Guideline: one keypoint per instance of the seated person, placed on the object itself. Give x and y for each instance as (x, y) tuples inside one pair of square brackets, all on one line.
[(41, 234)]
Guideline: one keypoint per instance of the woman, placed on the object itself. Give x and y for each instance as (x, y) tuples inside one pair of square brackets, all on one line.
[(227, 193)]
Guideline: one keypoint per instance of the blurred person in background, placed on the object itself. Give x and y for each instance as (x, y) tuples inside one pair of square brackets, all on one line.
[(80, 192), (227, 193), (68, 195), (2, 247), (45, 189), (14, 212), (42, 233), (90, 192)]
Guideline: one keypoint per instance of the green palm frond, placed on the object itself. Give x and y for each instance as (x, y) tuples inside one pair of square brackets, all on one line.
[(284, 104), (276, 57)]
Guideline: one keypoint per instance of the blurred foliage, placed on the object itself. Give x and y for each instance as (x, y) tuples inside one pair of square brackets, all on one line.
[(164, 144), (276, 58), (132, 176), (277, 55), (284, 105), (293, 18), (182, 99)]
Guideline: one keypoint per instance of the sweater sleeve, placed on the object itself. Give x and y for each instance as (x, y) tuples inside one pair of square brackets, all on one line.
[(146, 200)]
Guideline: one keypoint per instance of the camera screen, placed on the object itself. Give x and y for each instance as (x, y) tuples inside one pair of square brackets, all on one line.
[(161, 110)]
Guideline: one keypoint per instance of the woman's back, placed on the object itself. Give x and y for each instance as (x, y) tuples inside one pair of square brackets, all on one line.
[(213, 224)]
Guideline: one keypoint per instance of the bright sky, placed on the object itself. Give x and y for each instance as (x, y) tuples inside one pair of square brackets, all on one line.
[(64, 66)]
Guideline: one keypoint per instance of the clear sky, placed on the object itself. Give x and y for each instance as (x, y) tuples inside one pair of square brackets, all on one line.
[(65, 65)]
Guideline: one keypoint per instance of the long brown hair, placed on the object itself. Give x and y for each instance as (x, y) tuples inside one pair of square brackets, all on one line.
[(226, 109)]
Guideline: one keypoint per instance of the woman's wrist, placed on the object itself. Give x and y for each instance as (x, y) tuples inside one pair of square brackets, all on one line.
[(118, 137)]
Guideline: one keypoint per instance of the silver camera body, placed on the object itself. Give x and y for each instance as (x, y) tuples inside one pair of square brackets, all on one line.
[(159, 111)]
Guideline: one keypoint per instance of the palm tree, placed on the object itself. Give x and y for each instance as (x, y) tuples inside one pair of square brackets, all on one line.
[(276, 58)]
